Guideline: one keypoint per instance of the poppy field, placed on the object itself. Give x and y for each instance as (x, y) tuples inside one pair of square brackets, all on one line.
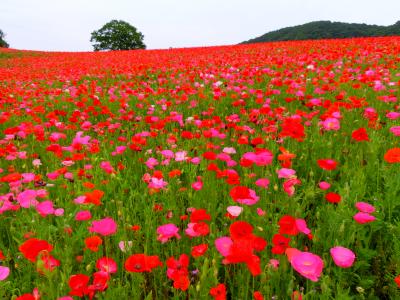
[(265, 171)]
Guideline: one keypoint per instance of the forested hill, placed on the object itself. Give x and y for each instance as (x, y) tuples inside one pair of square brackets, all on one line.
[(326, 30)]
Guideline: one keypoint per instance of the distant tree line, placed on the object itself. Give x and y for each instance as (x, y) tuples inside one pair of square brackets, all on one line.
[(3, 43), (326, 30)]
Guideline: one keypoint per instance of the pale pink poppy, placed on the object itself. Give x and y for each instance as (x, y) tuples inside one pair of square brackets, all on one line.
[(125, 245), (285, 173), (4, 272), (342, 257), (234, 210), (274, 263)]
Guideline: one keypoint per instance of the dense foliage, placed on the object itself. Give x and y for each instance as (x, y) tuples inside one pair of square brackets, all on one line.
[(117, 35), (3, 43), (264, 171), (327, 30)]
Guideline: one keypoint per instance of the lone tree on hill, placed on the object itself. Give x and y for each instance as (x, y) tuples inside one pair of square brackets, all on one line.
[(3, 43), (117, 35)]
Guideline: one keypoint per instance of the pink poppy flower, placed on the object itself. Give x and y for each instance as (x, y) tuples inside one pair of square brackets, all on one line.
[(4, 272), (234, 211), (223, 245), (342, 257), (45, 208), (262, 182), (307, 264), (156, 183), (302, 226), (125, 245), (362, 218), (107, 167), (106, 264), (395, 130), (28, 177), (151, 163), (365, 207), (27, 198), (285, 173), (83, 215), (167, 231), (323, 185), (197, 186), (274, 263), (106, 226), (288, 186), (331, 124)]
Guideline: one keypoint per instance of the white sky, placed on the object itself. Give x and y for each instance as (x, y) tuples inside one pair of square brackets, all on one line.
[(65, 25)]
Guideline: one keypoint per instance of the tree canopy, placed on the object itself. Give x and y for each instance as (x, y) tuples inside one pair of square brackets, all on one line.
[(326, 30), (3, 43), (117, 35)]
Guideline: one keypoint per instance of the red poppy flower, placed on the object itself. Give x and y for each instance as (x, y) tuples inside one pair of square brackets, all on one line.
[(360, 135), (93, 243), (287, 225), (31, 248), (397, 280), (199, 215), (218, 292), (199, 250), (142, 263), (94, 197), (79, 285), (333, 197), (392, 156), (327, 164), (240, 230), (280, 244)]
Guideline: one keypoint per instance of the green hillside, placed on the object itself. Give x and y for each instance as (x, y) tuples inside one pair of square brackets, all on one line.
[(326, 30)]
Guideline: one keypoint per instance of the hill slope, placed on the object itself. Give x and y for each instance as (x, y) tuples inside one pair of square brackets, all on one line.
[(326, 30)]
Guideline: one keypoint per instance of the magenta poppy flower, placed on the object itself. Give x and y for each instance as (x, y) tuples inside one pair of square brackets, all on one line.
[(342, 257), (166, 232), (307, 264), (106, 226), (362, 218), (365, 207)]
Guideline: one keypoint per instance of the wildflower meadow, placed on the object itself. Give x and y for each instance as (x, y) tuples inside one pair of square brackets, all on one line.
[(264, 171)]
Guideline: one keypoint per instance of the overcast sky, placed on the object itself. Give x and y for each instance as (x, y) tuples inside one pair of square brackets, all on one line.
[(65, 25)]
